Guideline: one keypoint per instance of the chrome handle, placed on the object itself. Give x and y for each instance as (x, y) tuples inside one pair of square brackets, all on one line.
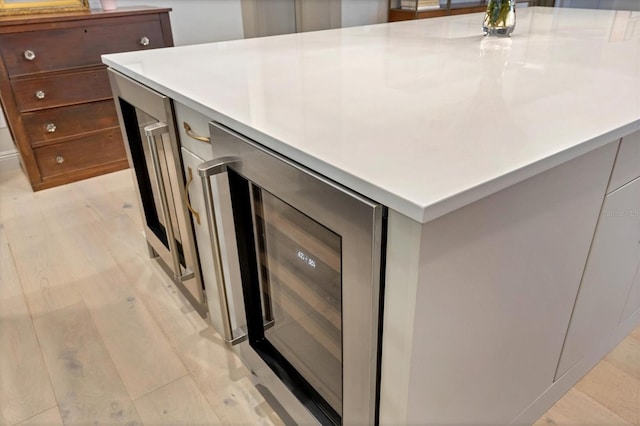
[(192, 135), (144, 41), (40, 94), (186, 196), (59, 159), (206, 170), (153, 131), (29, 55), (51, 127)]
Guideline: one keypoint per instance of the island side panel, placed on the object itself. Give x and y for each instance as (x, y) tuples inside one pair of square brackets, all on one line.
[(496, 286), (401, 280)]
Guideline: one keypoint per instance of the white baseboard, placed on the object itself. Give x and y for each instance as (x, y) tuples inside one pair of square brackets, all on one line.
[(9, 159)]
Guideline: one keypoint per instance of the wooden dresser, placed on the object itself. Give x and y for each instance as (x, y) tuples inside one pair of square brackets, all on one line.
[(55, 91)]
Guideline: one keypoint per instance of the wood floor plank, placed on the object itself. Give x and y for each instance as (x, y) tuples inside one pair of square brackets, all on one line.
[(63, 208), (25, 388), (50, 298), (614, 389), (141, 352), (49, 265), (577, 408), (171, 311), (38, 263), (179, 402), (50, 417), (626, 356), (97, 195), (636, 333), (86, 383), (224, 380), (16, 197), (25, 226), (9, 281)]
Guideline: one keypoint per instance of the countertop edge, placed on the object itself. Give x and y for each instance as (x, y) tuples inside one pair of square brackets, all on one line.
[(416, 212)]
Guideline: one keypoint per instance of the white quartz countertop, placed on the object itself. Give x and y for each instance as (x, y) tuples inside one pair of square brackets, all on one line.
[(423, 116)]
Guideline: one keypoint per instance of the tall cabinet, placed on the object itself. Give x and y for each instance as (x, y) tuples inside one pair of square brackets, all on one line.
[(55, 91)]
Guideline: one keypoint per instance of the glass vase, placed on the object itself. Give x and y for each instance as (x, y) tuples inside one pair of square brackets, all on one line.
[(500, 18)]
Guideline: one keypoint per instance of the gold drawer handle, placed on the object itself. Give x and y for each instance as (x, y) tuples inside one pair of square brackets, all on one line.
[(195, 214), (59, 159), (192, 135)]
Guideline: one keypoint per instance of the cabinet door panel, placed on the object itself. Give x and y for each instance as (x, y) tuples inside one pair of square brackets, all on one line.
[(633, 301), (191, 162), (608, 276), (627, 166)]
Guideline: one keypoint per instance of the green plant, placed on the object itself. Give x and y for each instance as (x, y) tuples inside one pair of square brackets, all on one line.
[(497, 12)]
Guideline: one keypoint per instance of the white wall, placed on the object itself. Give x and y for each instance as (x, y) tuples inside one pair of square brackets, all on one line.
[(8, 153), (196, 21), (364, 12), (6, 143), (271, 17)]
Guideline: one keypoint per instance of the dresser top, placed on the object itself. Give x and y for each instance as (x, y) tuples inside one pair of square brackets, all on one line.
[(45, 18)]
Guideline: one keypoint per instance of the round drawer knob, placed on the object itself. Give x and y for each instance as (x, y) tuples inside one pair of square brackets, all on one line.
[(29, 55), (144, 41), (40, 94), (59, 159), (51, 127)]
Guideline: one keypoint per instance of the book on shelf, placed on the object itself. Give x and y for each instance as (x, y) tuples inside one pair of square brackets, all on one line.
[(419, 4)]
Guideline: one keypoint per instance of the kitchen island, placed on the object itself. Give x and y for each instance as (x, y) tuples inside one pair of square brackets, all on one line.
[(510, 169)]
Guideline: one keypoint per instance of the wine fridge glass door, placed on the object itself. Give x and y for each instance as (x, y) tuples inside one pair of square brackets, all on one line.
[(300, 278)]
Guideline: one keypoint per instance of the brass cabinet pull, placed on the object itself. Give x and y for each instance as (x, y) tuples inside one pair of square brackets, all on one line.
[(192, 135), (195, 214)]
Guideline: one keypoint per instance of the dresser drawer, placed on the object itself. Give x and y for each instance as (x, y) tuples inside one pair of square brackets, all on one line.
[(57, 123), (60, 90), (39, 51), (91, 151)]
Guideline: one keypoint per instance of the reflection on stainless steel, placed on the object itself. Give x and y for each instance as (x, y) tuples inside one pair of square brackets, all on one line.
[(309, 253), (153, 153), (206, 170), (302, 271)]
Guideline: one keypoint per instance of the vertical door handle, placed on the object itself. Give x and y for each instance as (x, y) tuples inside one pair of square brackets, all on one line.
[(152, 132), (206, 170), (195, 214)]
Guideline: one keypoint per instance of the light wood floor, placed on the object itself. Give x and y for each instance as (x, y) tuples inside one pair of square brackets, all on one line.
[(93, 332)]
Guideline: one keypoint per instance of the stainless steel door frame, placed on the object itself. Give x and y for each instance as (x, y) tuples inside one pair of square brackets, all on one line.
[(159, 141), (357, 220)]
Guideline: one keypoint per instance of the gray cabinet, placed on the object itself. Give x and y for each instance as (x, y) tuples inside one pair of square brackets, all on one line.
[(627, 166), (608, 281)]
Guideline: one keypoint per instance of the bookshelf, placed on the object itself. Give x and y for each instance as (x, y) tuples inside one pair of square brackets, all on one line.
[(403, 10)]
